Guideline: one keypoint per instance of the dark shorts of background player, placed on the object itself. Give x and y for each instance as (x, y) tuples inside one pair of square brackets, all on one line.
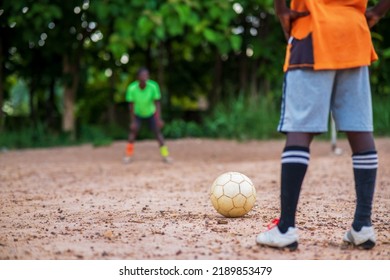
[(151, 121)]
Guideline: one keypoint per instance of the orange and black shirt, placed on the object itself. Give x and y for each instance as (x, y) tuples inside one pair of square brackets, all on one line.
[(334, 36)]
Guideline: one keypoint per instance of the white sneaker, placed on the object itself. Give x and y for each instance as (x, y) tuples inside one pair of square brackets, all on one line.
[(167, 160), (364, 238), (274, 238), (127, 159)]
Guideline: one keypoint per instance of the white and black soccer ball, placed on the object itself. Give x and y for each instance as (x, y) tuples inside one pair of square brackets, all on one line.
[(233, 194)]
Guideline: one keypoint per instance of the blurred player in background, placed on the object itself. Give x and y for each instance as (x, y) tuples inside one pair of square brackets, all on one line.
[(144, 98), (326, 70)]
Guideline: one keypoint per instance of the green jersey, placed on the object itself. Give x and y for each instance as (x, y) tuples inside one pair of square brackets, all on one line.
[(143, 99)]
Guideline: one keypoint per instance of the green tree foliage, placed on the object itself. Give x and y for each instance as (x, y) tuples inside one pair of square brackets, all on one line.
[(75, 59)]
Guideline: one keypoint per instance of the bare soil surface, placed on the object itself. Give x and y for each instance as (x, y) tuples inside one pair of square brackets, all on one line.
[(84, 203)]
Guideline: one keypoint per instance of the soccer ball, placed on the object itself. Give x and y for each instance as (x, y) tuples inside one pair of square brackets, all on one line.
[(233, 194)]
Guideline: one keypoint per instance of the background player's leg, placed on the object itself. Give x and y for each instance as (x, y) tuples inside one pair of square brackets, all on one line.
[(333, 137), (365, 164), (133, 132), (160, 139), (295, 159), (156, 131), (333, 134)]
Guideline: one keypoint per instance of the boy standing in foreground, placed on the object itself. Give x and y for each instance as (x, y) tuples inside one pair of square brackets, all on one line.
[(326, 70)]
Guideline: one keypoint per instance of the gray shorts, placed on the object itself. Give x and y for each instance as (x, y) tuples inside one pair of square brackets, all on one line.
[(310, 96)]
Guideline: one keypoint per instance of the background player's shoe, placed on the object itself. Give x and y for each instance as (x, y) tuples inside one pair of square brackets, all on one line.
[(165, 154), (274, 238), (365, 238), (167, 159), (128, 153), (127, 159)]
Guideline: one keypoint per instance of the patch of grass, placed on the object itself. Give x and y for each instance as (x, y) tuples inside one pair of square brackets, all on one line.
[(33, 137), (244, 119), (39, 136), (381, 108), (241, 119)]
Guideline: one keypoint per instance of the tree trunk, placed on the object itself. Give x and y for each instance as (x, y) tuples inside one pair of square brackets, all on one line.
[(1, 85), (111, 105), (243, 59), (160, 66), (253, 83), (216, 87), (266, 86), (111, 110), (72, 78), (263, 34), (243, 72), (51, 105), (170, 69), (33, 112), (148, 57)]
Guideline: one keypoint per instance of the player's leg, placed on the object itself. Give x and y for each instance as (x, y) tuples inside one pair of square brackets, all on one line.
[(352, 106), (365, 165), (133, 132), (160, 139), (304, 114), (295, 160), (361, 142)]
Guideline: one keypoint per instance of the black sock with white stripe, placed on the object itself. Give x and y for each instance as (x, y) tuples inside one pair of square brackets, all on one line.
[(365, 167), (295, 160)]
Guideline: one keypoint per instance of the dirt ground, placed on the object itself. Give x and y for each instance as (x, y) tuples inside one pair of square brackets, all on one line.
[(83, 203)]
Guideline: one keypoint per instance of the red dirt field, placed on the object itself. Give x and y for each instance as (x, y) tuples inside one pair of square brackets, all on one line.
[(83, 203)]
